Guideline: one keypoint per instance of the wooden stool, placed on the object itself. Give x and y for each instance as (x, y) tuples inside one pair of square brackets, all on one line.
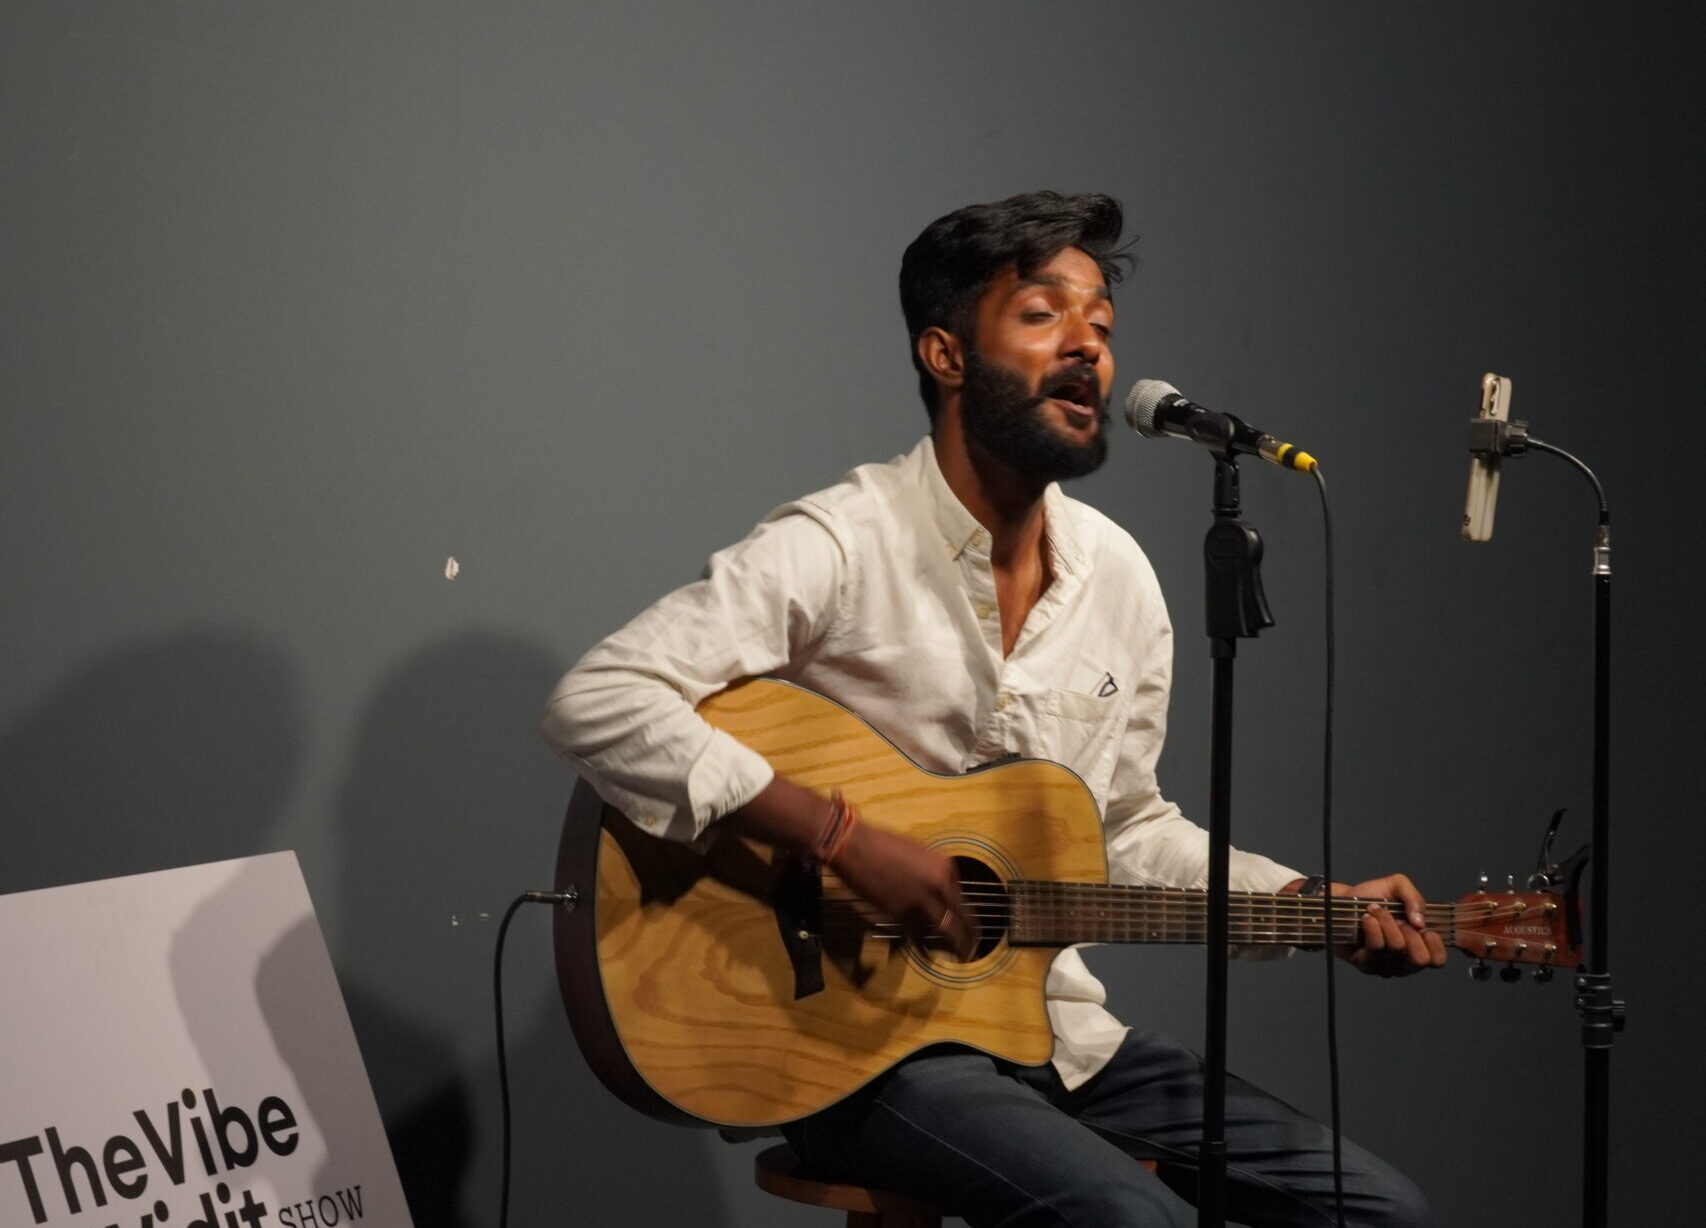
[(778, 1171)]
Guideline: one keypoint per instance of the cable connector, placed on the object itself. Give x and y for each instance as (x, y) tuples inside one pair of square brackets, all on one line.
[(1498, 437), (567, 898)]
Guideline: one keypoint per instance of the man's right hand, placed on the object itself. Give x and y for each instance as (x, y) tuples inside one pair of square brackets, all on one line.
[(902, 880), (908, 883)]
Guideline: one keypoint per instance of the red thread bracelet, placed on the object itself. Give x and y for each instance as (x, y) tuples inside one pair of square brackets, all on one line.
[(837, 830)]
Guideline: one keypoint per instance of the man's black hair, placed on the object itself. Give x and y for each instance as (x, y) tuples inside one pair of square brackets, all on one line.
[(947, 268)]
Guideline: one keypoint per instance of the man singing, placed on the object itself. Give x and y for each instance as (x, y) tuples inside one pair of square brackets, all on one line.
[(969, 610)]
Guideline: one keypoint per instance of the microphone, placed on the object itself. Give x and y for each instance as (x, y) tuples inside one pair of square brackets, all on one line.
[(1492, 434), (1156, 410)]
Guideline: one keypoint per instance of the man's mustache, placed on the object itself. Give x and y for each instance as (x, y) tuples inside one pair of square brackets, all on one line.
[(1082, 374)]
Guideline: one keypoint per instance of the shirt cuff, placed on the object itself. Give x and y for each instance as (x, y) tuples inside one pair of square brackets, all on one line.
[(726, 776)]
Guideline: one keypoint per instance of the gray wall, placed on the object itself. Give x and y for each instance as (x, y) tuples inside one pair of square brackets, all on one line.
[(301, 299)]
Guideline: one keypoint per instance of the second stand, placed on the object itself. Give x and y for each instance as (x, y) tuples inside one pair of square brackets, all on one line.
[(1235, 609)]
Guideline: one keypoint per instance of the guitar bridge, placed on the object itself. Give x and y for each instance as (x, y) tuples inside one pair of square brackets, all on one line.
[(798, 903)]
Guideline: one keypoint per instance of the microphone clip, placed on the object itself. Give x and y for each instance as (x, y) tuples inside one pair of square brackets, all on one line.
[(1236, 607), (1498, 436)]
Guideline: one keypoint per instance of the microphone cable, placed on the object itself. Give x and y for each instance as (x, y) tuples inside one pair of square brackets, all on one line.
[(1327, 856), (561, 899)]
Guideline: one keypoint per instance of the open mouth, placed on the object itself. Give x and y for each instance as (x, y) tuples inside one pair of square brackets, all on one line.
[(1080, 397)]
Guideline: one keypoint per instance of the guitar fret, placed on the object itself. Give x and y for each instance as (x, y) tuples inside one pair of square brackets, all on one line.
[(1047, 913), (1061, 913)]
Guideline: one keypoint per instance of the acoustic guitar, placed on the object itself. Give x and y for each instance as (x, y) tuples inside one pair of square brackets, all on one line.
[(736, 985)]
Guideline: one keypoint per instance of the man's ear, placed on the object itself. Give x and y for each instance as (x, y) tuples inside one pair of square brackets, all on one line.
[(943, 356)]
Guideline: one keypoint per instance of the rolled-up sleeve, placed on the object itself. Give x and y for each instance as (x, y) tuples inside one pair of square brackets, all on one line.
[(624, 715)]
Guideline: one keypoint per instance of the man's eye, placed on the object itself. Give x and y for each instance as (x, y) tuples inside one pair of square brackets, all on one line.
[(1106, 330), (1036, 317)]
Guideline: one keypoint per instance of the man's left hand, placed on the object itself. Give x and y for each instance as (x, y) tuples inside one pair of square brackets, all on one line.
[(1392, 945)]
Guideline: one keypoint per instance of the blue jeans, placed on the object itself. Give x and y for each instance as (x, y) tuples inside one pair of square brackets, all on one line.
[(1009, 1147)]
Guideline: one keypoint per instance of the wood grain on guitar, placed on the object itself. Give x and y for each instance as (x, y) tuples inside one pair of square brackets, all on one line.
[(727, 985)]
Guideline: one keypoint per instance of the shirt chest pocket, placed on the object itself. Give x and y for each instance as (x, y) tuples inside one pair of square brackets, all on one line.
[(1084, 732)]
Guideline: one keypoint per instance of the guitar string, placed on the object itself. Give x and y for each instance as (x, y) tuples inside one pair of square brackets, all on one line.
[(1139, 890), (1264, 927), (1304, 935), (1184, 895), (1343, 904), (990, 909), (888, 932), (1352, 909), (1256, 921), (1109, 906), (992, 906), (1128, 895), (1257, 916), (1557, 958), (1245, 905)]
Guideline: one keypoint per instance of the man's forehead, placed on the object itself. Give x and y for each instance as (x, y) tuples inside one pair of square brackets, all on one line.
[(1099, 288), (1070, 268)]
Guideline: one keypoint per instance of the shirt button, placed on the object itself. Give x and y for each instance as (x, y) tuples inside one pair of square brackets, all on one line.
[(1002, 700), (648, 821), (983, 609), (977, 537)]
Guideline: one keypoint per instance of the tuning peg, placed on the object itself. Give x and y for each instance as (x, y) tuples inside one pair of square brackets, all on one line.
[(1543, 974), (1510, 883), (1483, 882), (1479, 969), (1510, 974)]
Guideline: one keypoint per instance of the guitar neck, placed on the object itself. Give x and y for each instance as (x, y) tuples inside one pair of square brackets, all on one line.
[(1057, 914)]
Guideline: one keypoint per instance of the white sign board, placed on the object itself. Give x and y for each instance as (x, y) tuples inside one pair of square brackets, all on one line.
[(174, 1053)]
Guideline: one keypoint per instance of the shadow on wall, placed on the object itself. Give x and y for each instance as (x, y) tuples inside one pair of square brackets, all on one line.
[(168, 752), (293, 981), (450, 808)]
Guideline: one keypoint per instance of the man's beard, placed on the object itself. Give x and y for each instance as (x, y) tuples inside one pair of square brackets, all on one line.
[(1001, 414)]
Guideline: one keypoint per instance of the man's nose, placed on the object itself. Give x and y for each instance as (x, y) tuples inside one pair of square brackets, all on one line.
[(1082, 340)]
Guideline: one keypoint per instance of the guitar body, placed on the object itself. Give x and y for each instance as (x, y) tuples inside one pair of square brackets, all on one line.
[(677, 970)]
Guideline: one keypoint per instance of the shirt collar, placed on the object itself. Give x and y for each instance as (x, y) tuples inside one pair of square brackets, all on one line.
[(961, 531), (1062, 531)]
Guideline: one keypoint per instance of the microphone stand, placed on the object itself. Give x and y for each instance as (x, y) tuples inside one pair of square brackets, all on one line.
[(1602, 1014), (1235, 609)]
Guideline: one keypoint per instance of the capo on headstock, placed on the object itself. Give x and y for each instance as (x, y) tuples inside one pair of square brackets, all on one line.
[(1549, 875), (1546, 871), (1540, 927)]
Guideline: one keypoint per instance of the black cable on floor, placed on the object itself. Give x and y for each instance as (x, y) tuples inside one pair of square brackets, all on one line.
[(566, 899)]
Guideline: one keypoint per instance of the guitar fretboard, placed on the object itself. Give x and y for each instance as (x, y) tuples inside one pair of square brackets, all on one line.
[(1059, 914)]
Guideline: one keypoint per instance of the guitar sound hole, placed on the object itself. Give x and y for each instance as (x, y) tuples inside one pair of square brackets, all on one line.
[(986, 901)]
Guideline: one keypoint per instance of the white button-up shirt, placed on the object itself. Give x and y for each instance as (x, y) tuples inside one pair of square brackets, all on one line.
[(879, 593)]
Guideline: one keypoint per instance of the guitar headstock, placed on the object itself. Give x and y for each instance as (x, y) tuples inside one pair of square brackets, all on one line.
[(1516, 927)]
